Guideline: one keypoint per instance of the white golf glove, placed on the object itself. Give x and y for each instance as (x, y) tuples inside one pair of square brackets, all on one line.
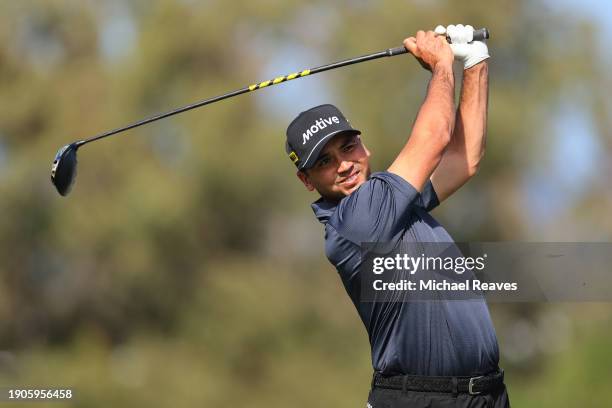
[(465, 50)]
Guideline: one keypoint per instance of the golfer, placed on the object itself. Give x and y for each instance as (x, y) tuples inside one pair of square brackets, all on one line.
[(428, 353)]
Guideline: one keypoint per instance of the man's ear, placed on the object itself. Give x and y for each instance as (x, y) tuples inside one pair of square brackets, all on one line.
[(304, 178)]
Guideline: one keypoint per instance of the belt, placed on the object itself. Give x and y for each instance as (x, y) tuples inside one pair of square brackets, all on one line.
[(467, 385)]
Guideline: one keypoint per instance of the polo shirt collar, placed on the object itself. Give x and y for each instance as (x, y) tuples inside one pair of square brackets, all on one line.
[(323, 209)]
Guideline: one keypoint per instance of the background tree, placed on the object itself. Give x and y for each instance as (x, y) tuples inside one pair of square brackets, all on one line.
[(186, 268)]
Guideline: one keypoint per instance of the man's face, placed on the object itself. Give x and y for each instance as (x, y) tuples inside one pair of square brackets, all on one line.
[(342, 166)]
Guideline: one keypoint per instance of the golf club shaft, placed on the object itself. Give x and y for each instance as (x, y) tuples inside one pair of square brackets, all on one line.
[(478, 35), (250, 88)]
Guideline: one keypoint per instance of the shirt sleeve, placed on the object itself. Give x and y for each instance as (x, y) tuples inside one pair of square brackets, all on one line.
[(428, 199), (378, 210)]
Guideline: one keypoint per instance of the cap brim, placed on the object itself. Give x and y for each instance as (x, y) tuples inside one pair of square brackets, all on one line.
[(316, 151)]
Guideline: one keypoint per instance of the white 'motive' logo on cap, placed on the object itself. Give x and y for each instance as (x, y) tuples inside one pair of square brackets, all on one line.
[(320, 124)]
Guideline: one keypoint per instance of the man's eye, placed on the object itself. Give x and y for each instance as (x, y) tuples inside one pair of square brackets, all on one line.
[(349, 147), (324, 161)]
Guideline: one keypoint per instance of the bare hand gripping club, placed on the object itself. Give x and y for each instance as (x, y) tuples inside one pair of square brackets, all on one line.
[(63, 170)]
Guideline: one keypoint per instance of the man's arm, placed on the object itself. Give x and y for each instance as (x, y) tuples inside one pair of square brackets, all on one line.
[(431, 132), (462, 157)]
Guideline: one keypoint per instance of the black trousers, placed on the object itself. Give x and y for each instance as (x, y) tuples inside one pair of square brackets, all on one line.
[(386, 398)]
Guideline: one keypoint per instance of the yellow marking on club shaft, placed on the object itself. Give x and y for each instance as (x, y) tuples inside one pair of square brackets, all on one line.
[(277, 80), (291, 76), (264, 84), (305, 72), (253, 87)]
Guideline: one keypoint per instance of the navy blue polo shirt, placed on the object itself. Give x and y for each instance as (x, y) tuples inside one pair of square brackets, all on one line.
[(441, 337)]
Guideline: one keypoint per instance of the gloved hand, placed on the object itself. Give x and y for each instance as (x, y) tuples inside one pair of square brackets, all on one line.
[(470, 53)]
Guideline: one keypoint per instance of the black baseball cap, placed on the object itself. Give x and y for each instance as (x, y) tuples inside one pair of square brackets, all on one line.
[(308, 134)]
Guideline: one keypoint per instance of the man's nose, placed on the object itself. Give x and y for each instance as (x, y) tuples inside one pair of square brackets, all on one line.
[(345, 165)]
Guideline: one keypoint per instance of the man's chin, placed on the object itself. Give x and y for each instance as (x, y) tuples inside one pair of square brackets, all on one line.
[(349, 189), (344, 191)]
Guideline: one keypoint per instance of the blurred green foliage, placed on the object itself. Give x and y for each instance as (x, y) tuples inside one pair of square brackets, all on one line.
[(186, 268)]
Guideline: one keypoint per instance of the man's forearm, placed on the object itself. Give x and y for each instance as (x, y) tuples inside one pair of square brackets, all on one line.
[(462, 156), (431, 131), (432, 128), (436, 117), (469, 135)]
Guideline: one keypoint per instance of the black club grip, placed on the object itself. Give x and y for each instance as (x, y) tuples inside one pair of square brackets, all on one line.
[(396, 51), (479, 35)]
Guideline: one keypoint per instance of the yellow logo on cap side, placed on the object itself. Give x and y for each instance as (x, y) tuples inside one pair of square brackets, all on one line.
[(294, 157)]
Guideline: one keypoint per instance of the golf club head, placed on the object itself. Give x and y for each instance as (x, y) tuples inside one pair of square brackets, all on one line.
[(63, 170)]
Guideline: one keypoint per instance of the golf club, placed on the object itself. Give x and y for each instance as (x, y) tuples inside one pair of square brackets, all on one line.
[(63, 170)]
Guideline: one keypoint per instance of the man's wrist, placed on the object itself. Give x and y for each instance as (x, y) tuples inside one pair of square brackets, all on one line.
[(443, 70), (480, 70), (477, 67), (443, 67)]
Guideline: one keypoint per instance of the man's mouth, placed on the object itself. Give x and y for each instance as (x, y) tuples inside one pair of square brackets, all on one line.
[(351, 180)]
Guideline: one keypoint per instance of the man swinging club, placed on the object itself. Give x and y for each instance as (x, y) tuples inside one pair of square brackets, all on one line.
[(424, 354)]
